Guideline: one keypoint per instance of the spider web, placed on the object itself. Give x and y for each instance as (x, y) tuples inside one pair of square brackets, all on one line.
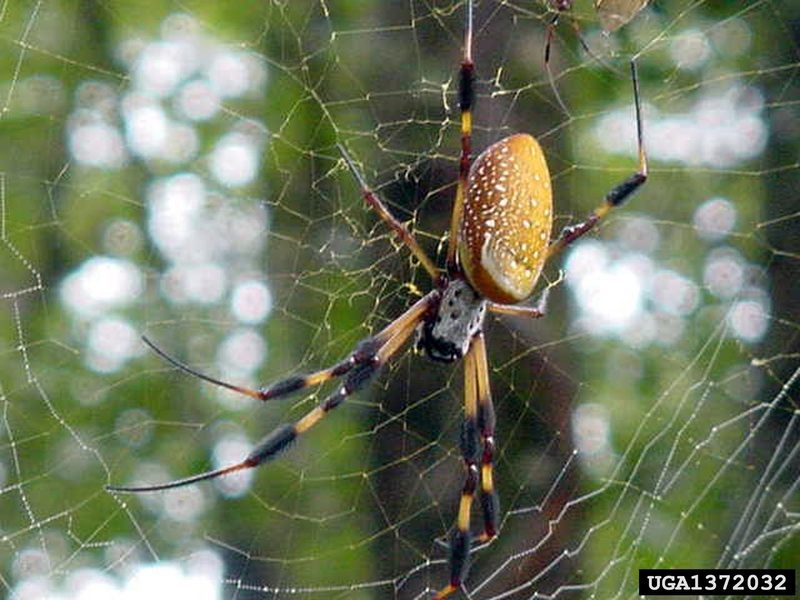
[(171, 168)]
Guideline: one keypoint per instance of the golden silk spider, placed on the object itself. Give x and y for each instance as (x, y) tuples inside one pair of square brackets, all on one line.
[(499, 241)]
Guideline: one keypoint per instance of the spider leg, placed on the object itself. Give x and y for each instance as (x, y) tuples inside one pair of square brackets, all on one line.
[(619, 194), (362, 353), (551, 29), (531, 312), (460, 540), (377, 204), (592, 55), (466, 98), (490, 503), (280, 388), (282, 436)]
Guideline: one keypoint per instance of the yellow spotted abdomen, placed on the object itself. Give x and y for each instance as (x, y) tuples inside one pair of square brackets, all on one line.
[(506, 219)]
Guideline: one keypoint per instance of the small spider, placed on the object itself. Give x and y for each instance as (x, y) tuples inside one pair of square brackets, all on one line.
[(612, 15), (498, 244)]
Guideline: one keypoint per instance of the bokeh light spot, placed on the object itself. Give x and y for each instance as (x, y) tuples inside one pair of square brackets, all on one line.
[(101, 283), (242, 351), (234, 160), (714, 219), (251, 302), (111, 342)]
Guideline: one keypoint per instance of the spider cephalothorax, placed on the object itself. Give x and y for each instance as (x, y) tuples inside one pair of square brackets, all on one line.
[(454, 319), (498, 244)]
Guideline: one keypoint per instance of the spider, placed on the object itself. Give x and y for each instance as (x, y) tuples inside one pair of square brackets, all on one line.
[(499, 241), (612, 14)]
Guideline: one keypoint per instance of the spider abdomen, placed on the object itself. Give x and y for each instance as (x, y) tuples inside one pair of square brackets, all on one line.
[(507, 218)]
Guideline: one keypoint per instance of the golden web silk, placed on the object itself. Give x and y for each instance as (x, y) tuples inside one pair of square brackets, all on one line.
[(506, 220)]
